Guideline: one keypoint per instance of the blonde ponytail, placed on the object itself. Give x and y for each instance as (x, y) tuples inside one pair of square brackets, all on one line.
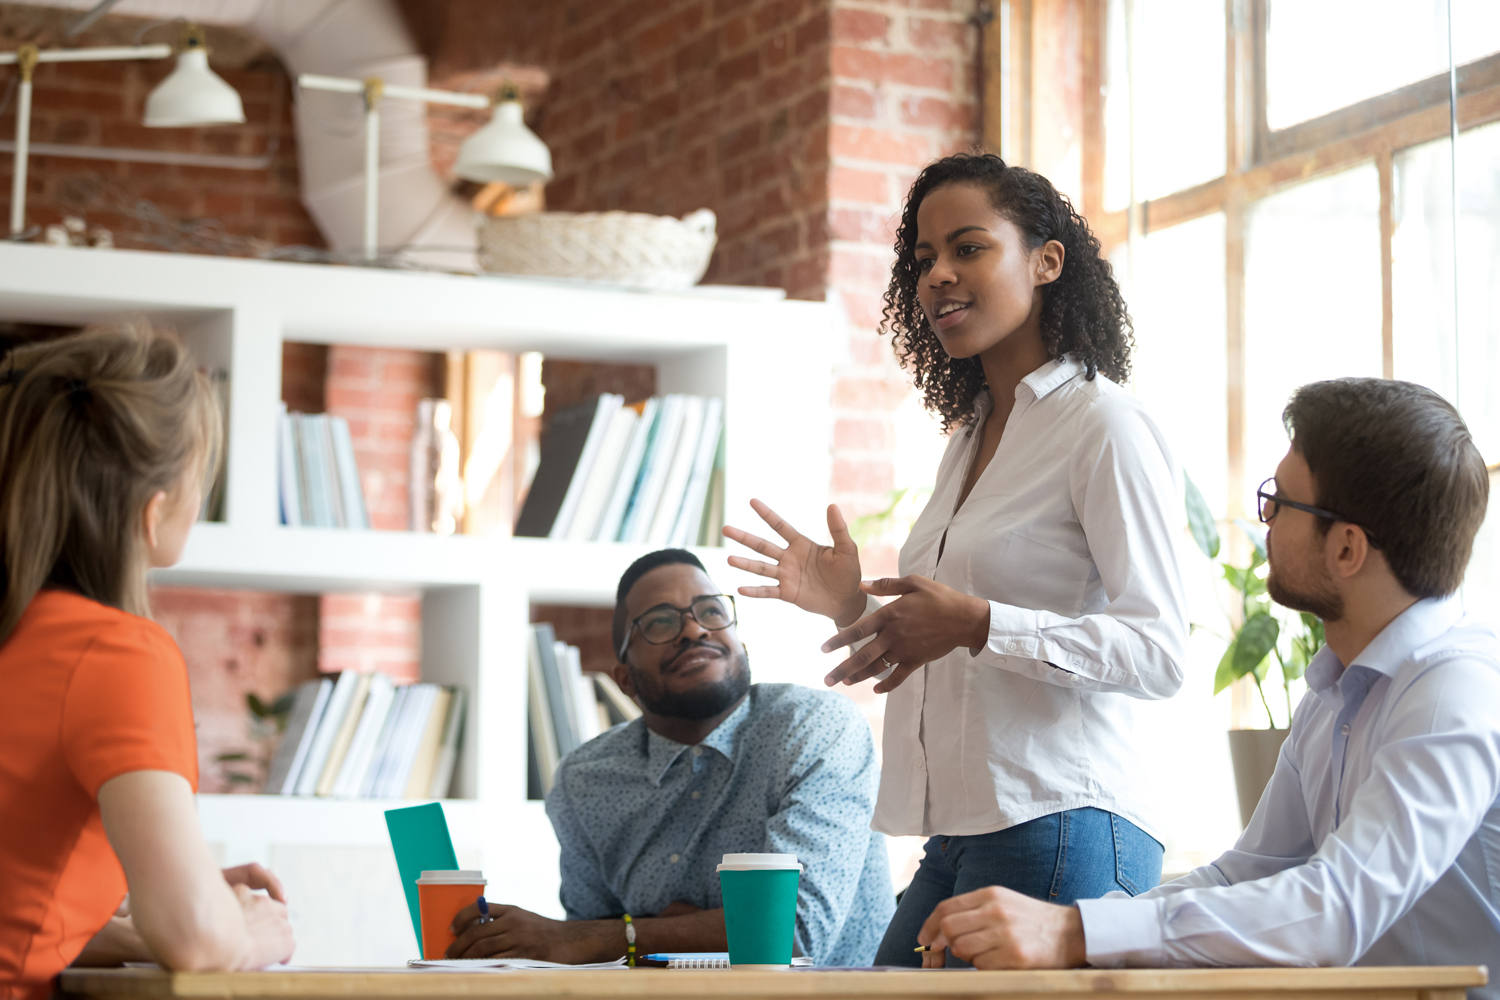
[(91, 427)]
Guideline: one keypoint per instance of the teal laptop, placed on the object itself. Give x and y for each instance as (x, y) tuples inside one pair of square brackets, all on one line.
[(419, 836)]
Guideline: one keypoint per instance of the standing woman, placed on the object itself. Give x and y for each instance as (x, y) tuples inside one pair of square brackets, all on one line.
[(1039, 588)]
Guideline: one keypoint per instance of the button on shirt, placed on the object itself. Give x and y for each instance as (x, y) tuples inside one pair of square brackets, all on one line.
[(1069, 534), (643, 822), (1376, 841)]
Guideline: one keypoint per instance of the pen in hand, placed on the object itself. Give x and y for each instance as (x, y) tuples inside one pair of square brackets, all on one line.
[(484, 911)]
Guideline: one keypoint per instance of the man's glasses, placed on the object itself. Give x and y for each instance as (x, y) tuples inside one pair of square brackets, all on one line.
[(1269, 502), (665, 622)]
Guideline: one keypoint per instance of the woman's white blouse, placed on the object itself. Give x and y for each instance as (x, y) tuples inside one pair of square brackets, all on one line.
[(1069, 534)]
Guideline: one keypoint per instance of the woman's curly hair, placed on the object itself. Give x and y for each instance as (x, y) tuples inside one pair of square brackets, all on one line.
[(1083, 313)]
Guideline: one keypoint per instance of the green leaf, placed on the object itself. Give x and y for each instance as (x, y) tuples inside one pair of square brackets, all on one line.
[(1255, 584), (1238, 578), (226, 758), (236, 778), (258, 708), (1256, 535), (1253, 643), (1225, 676), (1200, 519), (283, 705), (1314, 626)]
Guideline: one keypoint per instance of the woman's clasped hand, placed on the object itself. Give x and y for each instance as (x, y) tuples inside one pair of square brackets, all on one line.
[(925, 622)]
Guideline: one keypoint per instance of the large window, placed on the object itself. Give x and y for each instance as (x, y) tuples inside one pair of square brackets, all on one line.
[(1274, 182), (1317, 133)]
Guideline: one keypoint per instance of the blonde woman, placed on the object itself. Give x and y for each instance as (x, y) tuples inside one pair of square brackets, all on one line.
[(105, 440)]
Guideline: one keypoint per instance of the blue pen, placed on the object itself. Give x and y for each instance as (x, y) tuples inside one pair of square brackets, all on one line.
[(484, 911)]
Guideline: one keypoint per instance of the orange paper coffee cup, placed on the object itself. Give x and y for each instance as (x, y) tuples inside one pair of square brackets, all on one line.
[(441, 895)]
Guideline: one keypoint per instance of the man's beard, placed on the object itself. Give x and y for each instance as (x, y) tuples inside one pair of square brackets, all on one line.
[(704, 701), (1323, 600)]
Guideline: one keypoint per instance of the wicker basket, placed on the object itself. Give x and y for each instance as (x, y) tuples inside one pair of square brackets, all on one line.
[(627, 248)]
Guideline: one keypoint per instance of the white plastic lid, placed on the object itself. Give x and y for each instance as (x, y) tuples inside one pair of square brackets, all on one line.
[(759, 862), (453, 877)]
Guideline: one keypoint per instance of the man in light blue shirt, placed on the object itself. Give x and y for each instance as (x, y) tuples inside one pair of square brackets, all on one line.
[(1375, 841), (715, 766)]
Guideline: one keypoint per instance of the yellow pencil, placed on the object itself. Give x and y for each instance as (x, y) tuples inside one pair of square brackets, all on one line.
[(921, 947)]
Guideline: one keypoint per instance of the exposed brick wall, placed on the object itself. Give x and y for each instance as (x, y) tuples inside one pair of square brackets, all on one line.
[(371, 632), (377, 391), (101, 104), (673, 105), (237, 642), (304, 376), (901, 95), (568, 383)]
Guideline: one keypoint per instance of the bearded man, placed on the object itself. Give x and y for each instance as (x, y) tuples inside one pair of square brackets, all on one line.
[(1375, 841), (715, 765)]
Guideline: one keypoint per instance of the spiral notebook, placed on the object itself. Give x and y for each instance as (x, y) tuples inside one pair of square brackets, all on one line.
[(705, 960)]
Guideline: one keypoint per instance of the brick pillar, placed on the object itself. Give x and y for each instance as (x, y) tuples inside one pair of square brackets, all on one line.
[(901, 96)]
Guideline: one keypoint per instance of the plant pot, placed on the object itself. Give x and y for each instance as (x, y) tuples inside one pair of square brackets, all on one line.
[(1253, 752)]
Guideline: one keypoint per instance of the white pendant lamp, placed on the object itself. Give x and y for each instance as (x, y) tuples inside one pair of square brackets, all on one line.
[(505, 150), (193, 94)]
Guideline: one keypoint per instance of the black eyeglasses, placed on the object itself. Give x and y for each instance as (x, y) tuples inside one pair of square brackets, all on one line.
[(1270, 501), (665, 622)]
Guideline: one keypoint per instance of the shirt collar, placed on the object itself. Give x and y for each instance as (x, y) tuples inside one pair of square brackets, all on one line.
[(1050, 376), (1423, 621), (662, 753)]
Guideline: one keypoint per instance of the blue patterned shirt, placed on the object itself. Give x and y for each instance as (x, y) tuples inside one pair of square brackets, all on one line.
[(643, 821)]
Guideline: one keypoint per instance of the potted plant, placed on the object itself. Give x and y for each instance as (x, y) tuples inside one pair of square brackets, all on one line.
[(1259, 631)]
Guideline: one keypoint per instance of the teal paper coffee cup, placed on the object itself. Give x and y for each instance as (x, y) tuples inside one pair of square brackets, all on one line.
[(760, 908)]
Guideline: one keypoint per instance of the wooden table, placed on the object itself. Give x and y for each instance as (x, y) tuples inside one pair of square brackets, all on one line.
[(1391, 983)]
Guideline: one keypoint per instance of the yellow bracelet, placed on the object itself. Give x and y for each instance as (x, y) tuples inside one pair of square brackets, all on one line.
[(629, 941)]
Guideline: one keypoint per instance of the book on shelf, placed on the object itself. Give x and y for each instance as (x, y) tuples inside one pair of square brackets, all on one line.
[(318, 474), (351, 774), (565, 706), (643, 473), (542, 752), (562, 449), (296, 739), (559, 699), (628, 474), (605, 408), (617, 706), (363, 736)]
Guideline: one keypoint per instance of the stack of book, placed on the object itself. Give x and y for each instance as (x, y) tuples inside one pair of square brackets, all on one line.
[(362, 736), (652, 472), (566, 708), (319, 478)]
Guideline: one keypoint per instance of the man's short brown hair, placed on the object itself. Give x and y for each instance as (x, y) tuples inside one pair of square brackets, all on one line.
[(1396, 459)]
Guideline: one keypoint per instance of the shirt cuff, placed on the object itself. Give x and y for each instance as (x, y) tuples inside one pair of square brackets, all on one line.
[(1120, 932), (1013, 632)]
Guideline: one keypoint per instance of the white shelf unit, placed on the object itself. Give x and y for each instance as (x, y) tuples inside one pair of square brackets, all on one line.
[(768, 358)]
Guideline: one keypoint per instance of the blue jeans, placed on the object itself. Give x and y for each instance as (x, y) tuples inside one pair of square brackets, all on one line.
[(1062, 858)]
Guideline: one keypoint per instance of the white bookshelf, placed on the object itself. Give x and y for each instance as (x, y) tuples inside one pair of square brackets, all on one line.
[(768, 358)]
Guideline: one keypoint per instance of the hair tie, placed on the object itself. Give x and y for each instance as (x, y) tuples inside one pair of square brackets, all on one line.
[(78, 391)]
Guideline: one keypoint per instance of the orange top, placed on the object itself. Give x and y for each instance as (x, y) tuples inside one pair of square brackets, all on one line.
[(88, 693)]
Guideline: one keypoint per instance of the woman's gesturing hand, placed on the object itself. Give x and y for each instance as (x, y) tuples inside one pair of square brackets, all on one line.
[(818, 578), (926, 621)]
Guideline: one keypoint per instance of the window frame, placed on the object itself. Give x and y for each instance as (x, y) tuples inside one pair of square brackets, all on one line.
[(1258, 161)]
